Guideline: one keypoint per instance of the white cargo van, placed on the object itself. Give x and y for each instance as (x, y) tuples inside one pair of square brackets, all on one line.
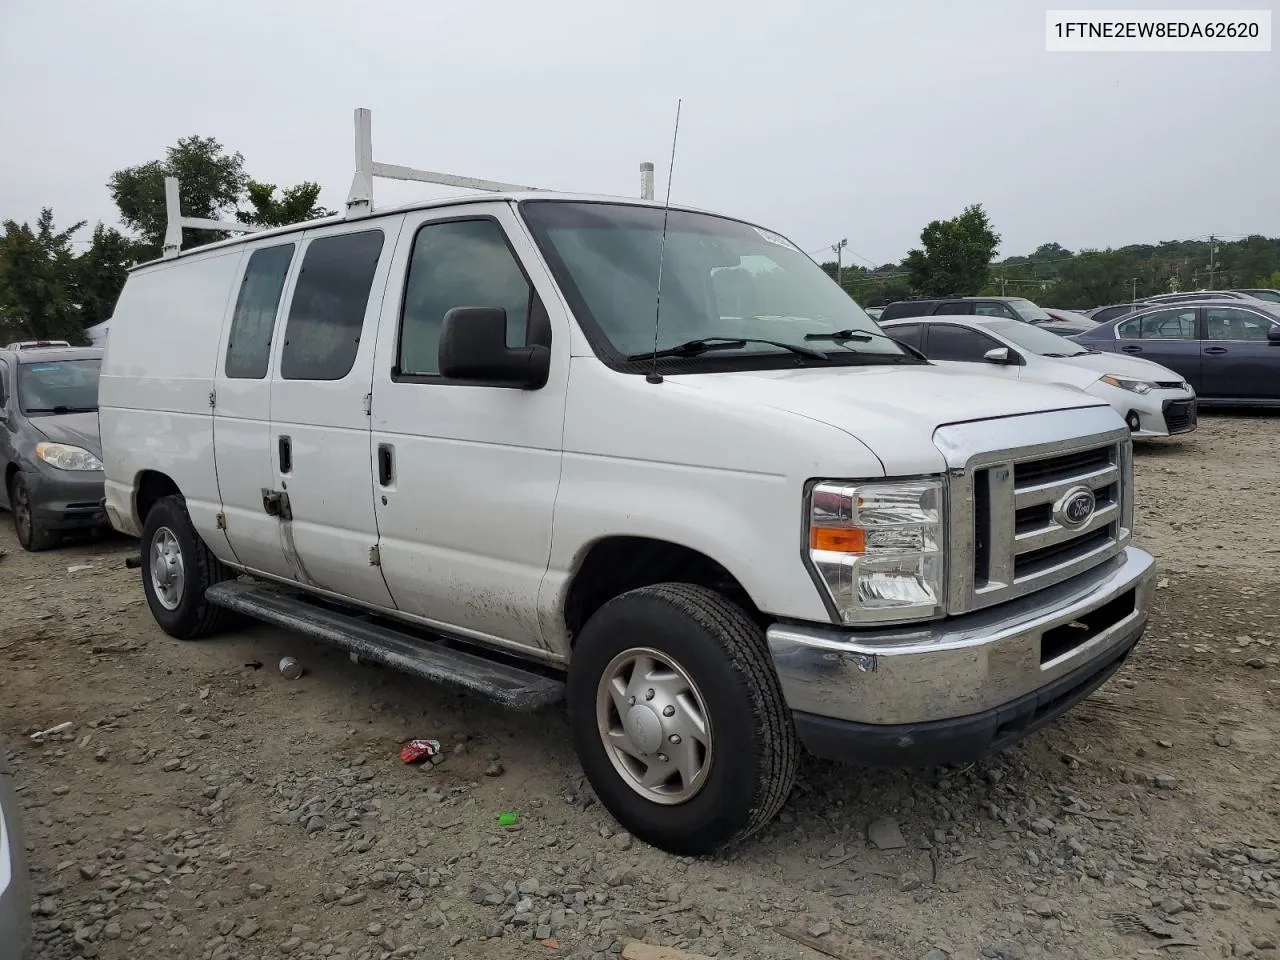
[(440, 436)]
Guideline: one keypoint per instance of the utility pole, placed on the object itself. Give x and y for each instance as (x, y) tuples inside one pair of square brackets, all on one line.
[(1003, 282), (1213, 250), (1135, 290), (838, 250)]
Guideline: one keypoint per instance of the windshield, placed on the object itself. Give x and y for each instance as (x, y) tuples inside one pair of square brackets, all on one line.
[(58, 386), (720, 279), (1028, 311), (1035, 339)]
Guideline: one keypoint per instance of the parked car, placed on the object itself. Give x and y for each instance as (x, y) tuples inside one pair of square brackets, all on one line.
[(49, 447), (1228, 350), (1190, 296), (1154, 401), (1012, 308), (451, 415), (1265, 294), (15, 880)]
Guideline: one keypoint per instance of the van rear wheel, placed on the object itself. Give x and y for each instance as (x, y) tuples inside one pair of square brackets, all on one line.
[(678, 718), (177, 569)]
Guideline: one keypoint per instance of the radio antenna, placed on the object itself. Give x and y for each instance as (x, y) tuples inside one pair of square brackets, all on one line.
[(654, 376)]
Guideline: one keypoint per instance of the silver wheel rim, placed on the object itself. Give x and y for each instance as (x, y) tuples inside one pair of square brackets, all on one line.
[(168, 572), (653, 722)]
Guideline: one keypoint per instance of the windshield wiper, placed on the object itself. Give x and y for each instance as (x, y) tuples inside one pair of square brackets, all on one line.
[(864, 336), (692, 348), (60, 410)]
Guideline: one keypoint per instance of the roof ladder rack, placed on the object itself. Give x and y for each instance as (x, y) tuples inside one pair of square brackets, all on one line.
[(360, 197), (176, 221)]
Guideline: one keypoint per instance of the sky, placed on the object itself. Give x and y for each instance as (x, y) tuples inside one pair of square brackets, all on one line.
[(821, 119)]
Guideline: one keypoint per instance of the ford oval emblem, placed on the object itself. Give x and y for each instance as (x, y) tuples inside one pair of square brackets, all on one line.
[(1076, 507)]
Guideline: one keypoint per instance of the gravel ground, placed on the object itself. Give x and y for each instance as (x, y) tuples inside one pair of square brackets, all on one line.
[(203, 806)]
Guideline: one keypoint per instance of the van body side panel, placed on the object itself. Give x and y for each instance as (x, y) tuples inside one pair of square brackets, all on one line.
[(677, 464), (157, 375), (466, 522)]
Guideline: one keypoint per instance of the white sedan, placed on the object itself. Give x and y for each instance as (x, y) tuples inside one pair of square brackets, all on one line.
[(1154, 401)]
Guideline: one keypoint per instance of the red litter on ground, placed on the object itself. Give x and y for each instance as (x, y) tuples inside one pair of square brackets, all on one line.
[(416, 750)]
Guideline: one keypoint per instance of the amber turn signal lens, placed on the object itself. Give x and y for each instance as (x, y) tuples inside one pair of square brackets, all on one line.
[(838, 540)]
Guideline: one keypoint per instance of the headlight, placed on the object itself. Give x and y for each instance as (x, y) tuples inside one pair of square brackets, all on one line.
[(1124, 383), (66, 457), (878, 548)]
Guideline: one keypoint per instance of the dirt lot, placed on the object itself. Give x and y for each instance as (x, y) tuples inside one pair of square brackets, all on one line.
[(203, 806)]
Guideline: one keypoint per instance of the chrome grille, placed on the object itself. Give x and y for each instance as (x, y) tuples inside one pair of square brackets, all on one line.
[(1009, 535)]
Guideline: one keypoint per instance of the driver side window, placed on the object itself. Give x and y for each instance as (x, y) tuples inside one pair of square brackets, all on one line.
[(459, 263), (1175, 324), (948, 342), (992, 308)]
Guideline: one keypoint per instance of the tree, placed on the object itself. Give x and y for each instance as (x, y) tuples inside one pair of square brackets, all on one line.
[(1274, 282), (101, 272), (38, 289), (295, 204), (956, 255), (212, 183)]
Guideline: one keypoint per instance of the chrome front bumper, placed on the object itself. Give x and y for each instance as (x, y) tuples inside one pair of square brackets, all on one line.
[(969, 665)]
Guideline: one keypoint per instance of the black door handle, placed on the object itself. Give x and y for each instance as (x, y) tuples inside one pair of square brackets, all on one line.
[(1215, 350), (1131, 349), (386, 464), (286, 455)]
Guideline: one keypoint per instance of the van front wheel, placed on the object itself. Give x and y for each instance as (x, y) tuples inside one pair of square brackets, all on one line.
[(177, 568), (678, 718)]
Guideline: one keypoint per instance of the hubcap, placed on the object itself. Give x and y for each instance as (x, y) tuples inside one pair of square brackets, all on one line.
[(168, 572), (654, 725), (22, 510)]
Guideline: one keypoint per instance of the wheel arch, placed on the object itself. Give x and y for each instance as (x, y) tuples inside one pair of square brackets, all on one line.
[(616, 564)]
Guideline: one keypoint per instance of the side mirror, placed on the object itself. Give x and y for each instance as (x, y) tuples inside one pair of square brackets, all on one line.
[(998, 355), (473, 346), (1273, 336)]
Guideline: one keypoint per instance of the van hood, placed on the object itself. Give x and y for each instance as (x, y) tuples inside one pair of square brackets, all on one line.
[(893, 410), (76, 429)]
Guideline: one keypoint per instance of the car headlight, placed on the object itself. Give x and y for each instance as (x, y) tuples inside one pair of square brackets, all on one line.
[(66, 457), (878, 548), (1125, 383)]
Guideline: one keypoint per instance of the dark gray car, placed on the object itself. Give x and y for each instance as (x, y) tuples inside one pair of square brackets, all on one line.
[(1228, 350), (50, 452), (15, 882)]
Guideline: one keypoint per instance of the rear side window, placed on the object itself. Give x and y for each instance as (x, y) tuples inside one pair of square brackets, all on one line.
[(954, 308), (4, 386), (463, 263), (326, 316), (911, 334), (254, 321)]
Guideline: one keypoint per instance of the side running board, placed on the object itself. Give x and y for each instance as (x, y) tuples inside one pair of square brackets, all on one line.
[(508, 685)]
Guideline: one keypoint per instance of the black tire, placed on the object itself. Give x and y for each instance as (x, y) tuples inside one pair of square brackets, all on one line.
[(193, 616), (31, 534), (755, 751)]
